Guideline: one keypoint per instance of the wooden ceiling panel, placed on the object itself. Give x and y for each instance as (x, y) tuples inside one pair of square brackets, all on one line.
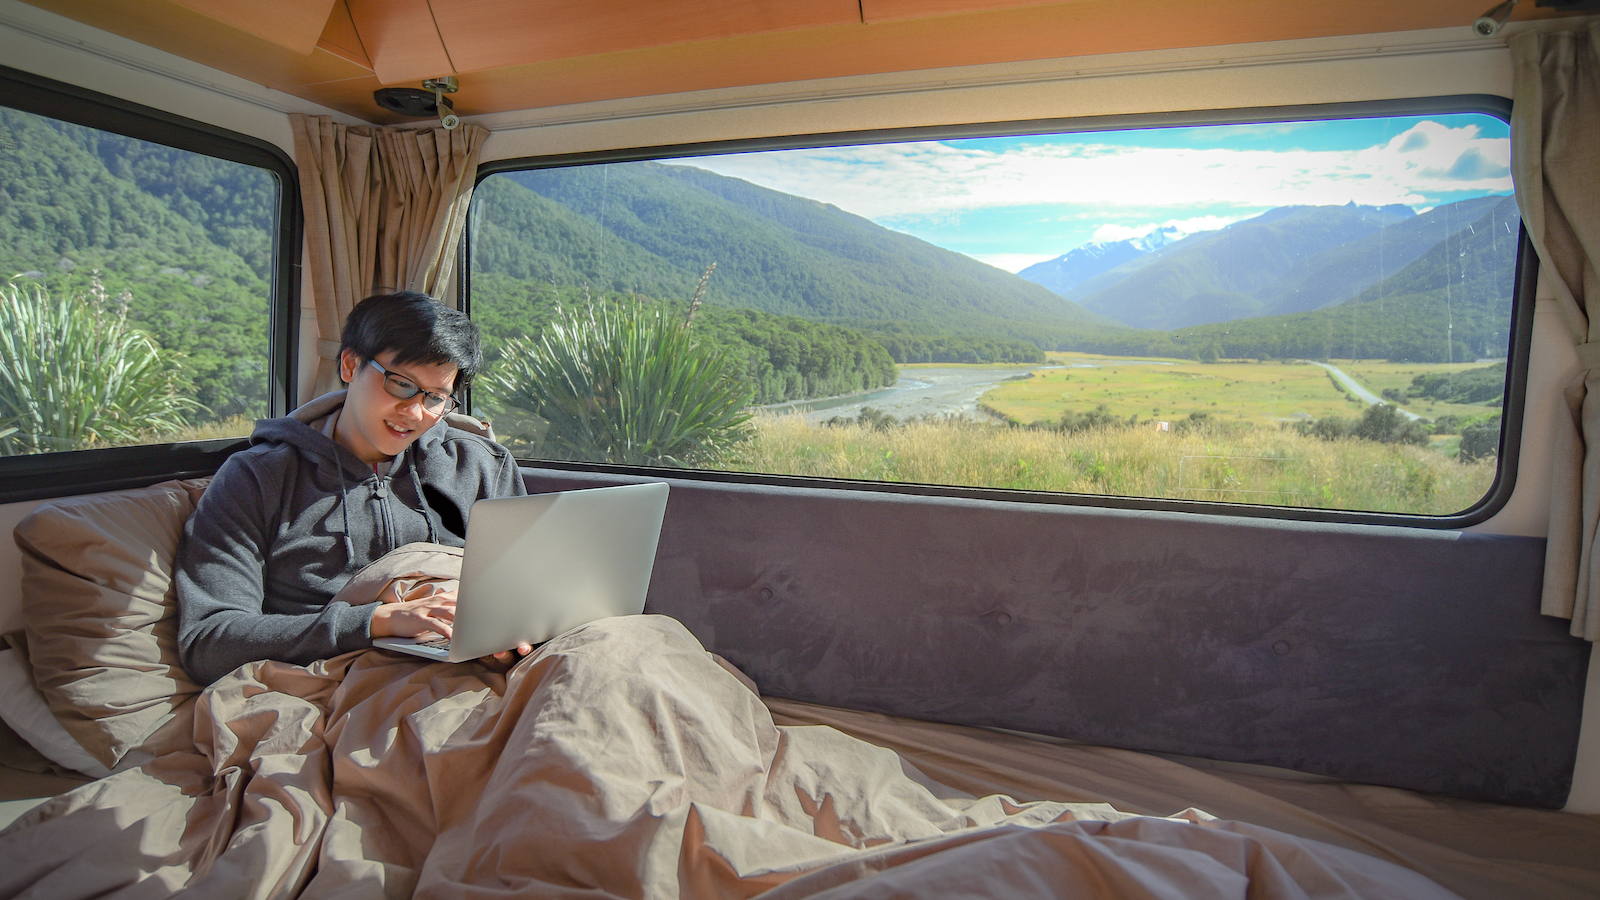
[(873, 11), (611, 49), (292, 24), (339, 36), (401, 39), (1018, 34), (183, 32), (491, 34)]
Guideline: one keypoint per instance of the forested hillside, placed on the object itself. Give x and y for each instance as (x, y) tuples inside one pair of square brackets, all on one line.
[(185, 239), (1334, 276), (774, 252)]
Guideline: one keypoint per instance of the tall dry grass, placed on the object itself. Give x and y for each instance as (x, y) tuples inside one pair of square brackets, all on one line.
[(1232, 464), (233, 426)]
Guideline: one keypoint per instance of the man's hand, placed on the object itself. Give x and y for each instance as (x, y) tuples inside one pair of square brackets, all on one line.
[(521, 651), (424, 609)]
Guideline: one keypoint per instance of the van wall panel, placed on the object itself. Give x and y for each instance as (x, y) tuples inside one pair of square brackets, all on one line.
[(1400, 656)]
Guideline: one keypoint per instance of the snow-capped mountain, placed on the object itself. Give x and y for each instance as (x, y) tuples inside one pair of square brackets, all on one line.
[(1066, 271)]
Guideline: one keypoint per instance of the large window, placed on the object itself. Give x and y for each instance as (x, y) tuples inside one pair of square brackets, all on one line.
[(136, 281), (128, 258), (1306, 313)]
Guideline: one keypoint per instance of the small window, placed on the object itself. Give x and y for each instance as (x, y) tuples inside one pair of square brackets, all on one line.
[(1308, 313), (136, 281)]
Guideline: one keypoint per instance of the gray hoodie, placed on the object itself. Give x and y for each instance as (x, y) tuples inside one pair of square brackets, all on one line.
[(286, 522)]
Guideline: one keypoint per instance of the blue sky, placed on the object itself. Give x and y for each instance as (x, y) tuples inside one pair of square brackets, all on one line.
[(1015, 201)]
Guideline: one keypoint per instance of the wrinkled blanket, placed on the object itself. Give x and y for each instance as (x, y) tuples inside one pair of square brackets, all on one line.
[(620, 760)]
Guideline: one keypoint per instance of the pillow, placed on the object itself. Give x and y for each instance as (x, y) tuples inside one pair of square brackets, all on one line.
[(26, 713), (101, 619)]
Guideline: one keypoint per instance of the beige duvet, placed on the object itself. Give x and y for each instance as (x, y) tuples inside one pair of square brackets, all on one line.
[(621, 760)]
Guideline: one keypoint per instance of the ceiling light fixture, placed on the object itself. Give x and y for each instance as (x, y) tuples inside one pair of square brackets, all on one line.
[(422, 103), (1490, 23)]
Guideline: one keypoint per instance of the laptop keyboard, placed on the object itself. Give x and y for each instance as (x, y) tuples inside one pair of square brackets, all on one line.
[(438, 640)]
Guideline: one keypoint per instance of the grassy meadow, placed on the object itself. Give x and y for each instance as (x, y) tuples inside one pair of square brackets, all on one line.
[(1268, 465), (1245, 449), (1170, 389)]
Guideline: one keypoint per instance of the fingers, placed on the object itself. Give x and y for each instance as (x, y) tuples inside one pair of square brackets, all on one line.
[(432, 614), (521, 651)]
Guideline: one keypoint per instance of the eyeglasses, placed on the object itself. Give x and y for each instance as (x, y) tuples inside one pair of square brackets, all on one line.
[(401, 388)]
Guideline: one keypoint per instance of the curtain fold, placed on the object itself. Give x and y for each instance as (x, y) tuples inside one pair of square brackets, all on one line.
[(1555, 152), (384, 211)]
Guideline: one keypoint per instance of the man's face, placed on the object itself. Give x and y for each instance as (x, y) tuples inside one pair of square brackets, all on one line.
[(375, 424)]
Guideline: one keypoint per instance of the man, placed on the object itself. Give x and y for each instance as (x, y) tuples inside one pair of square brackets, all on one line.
[(335, 485)]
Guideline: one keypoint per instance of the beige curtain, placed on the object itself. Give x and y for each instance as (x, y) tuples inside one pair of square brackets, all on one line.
[(384, 211), (1555, 137)]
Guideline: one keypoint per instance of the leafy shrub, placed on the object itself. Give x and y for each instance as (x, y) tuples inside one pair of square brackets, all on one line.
[(870, 416), (1328, 428), (1380, 422), (1447, 424), (1480, 440), (1205, 423), (1386, 425), (74, 374), (624, 384), (1096, 419)]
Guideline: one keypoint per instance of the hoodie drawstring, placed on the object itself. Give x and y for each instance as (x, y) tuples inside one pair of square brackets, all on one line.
[(344, 508), (416, 483)]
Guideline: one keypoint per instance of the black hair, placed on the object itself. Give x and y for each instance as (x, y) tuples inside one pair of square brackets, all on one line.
[(417, 329)]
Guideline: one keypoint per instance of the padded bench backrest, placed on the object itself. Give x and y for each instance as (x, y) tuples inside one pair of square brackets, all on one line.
[(1399, 656)]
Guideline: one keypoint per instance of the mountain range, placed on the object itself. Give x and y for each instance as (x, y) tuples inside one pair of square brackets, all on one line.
[(1450, 304), (1290, 281), (1078, 265), (1286, 260)]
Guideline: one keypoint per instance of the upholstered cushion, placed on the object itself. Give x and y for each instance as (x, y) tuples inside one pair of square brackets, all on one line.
[(26, 714), (101, 619)]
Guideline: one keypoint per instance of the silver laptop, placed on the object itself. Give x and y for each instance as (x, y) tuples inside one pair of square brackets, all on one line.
[(536, 566)]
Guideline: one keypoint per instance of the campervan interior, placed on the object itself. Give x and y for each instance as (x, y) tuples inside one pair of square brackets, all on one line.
[(1355, 641)]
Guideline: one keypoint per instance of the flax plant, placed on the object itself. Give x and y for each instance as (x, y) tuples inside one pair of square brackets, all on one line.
[(624, 384), (74, 374)]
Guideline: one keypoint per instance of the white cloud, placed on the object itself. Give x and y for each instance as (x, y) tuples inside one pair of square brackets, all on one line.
[(1011, 262), (1181, 227), (1202, 223), (1107, 234), (885, 180)]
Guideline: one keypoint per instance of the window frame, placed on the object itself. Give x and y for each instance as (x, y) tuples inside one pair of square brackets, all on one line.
[(46, 475), (1524, 282)]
